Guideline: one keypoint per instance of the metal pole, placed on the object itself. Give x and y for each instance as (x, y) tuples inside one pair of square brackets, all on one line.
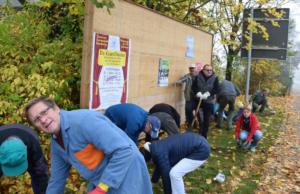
[(290, 77), (249, 62)]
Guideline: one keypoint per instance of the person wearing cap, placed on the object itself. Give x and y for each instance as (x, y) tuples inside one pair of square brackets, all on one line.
[(20, 151), (88, 141), (189, 102), (133, 120), (259, 99), (174, 160), (205, 87), (247, 131)]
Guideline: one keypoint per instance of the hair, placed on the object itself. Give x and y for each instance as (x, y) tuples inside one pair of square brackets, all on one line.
[(47, 101), (248, 106), (265, 90), (206, 66)]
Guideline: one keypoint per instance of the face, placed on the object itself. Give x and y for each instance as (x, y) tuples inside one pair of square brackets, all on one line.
[(207, 70), (246, 113), (148, 127), (192, 71), (45, 118), (265, 93)]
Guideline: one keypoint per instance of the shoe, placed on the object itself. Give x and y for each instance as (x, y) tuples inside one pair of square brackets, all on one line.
[(252, 149)]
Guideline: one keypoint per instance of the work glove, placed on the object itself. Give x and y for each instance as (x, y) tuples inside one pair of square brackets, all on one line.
[(246, 144), (97, 190), (205, 95), (199, 95)]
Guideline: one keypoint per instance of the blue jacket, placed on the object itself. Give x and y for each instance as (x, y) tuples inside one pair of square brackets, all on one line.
[(168, 152), (128, 117), (100, 152)]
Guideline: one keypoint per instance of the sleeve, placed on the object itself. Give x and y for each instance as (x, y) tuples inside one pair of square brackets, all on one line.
[(238, 127), (183, 79), (59, 171), (38, 168), (163, 164), (253, 127), (195, 88), (267, 103), (155, 175), (253, 97), (101, 133), (215, 87), (133, 129), (238, 92)]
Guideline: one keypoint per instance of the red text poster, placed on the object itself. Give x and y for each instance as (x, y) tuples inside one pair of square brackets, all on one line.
[(109, 71)]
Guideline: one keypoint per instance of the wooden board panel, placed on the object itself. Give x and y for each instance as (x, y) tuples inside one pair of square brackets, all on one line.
[(153, 36)]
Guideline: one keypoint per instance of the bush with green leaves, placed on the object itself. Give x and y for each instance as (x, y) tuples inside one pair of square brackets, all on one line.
[(39, 57)]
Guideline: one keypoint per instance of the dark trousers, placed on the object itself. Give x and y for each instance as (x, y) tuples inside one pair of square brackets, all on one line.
[(262, 105), (207, 109), (189, 107), (223, 101)]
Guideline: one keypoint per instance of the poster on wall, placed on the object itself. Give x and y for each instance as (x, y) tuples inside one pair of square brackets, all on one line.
[(109, 71), (189, 46), (163, 72)]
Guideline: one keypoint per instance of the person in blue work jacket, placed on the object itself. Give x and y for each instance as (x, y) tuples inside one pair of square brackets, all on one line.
[(133, 120), (101, 152), (175, 156)]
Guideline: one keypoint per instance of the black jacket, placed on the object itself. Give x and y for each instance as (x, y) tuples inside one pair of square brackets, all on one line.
[(37, 165), (162, 107)]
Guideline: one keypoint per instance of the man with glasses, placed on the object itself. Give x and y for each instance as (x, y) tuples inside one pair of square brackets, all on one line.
[(205, 88), (20, 151), (101, 152)]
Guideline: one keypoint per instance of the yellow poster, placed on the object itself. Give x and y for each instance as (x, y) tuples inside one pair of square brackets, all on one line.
[(111, 58)]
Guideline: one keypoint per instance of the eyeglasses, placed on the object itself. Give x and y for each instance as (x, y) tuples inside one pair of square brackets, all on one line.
[(208, 70), (41, 114)]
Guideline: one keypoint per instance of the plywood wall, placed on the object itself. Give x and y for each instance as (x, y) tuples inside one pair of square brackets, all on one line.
[(153, 36)]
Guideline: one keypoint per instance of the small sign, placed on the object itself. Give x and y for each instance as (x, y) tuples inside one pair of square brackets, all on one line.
[(163, 72)]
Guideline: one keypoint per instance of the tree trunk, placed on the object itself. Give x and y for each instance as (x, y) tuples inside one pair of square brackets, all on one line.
[(230, 57)]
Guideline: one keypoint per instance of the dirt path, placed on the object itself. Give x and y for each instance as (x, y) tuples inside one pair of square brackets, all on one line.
[(282, 170)]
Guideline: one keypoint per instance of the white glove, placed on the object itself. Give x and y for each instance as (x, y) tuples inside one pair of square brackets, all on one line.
[(205, 95), (199, 95), (147, 146)]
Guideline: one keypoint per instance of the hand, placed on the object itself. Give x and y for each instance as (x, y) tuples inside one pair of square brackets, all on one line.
[(199, 95), (97, 190), (207, 94), (246, 144)]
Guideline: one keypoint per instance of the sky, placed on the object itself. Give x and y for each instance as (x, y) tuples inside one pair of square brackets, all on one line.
[(295, 14)]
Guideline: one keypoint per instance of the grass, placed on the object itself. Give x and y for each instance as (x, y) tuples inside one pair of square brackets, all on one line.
[(242, 168)]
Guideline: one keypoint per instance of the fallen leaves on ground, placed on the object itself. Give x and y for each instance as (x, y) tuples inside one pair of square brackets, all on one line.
[(282, 170)]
